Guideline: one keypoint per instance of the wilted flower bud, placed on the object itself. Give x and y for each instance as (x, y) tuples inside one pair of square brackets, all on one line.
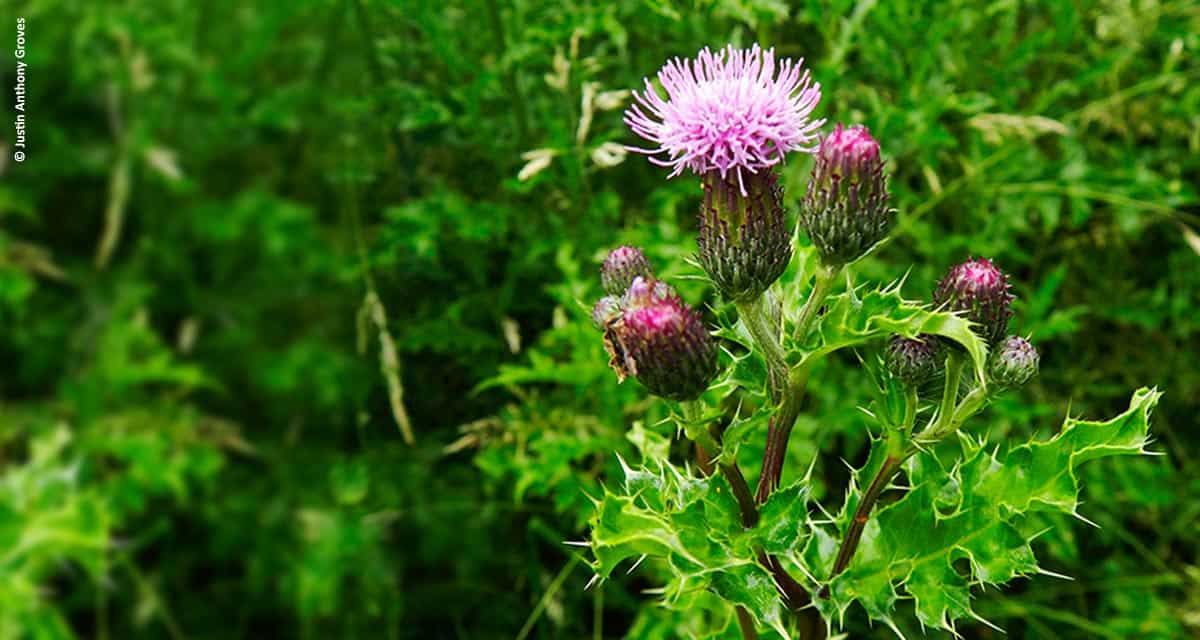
[(1013, 363), (978, 290), (744, 241), (845, 210), (912, 360), (661, 341), (622, 265), (605, 311)]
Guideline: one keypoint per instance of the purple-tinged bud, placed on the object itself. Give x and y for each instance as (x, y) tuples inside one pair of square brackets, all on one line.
[(1013, 363), (622, 265), (912, 360), (744, 239), (605, 311), (845, 210), (643, 292), (662, 342), (978, 290)]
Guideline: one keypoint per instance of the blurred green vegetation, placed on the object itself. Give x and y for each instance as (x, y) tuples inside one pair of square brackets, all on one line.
[(199, 426)]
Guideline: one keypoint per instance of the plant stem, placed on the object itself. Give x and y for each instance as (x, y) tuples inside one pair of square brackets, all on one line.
[(794, 593), (778, 432), (822, 285), (741, 492), (891, 465), (944, 421), (780, 428), (756, 315), (951, 414), (746, 624), (728, 468)]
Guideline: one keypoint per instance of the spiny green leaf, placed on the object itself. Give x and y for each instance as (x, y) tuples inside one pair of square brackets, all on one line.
[(652, 445), (695, 526), (741, 429), (851, 320), (783, 519), (973, 513)]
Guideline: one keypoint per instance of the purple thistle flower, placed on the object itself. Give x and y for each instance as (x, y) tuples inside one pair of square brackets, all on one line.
[(733, 110)]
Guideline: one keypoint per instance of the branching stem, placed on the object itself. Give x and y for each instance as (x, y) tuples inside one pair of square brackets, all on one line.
[(822, 285), (756, 315), (796, 595), (891, 465), (945, 415), (951, 415), (778, 432)]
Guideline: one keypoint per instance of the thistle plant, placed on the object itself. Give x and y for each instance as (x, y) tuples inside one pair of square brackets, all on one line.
[(773, 565)]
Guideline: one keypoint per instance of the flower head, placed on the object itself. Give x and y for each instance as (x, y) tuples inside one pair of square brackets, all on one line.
[(1013, 362), (845, 210), (745, 242), (912, 360), (605, 310), (622, 265), (731, 111), (978, 290), (662, 342)]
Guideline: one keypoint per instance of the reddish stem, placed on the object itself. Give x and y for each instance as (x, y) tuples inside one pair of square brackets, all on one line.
[(891, 465)]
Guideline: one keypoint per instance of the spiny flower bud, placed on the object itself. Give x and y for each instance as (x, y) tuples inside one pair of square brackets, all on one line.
[(622, 265), (743, 240), (645, 291), (1013, 363), (845, 210), (605, 311), (912, 360), (662, 342), (979, 290)]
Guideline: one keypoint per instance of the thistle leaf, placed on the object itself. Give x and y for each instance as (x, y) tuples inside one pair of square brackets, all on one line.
[(851, 320), (972, 514), (693, 526)]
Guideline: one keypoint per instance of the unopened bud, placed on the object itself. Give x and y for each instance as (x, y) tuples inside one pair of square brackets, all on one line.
[(744, 241), (845, 210), (662, 342), (622, 265), (1013, 363), (912, 360), (978, 290), (605, 311)]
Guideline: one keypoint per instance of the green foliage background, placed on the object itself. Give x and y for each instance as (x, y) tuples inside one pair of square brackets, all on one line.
[(199, 428)]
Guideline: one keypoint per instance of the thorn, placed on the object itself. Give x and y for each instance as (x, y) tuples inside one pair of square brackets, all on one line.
[(1077, 515), (1047, 572), (1039, 534), (811, 577), (592, 582), (891, 624), (577, 543), (980, 618), (636, 564)]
